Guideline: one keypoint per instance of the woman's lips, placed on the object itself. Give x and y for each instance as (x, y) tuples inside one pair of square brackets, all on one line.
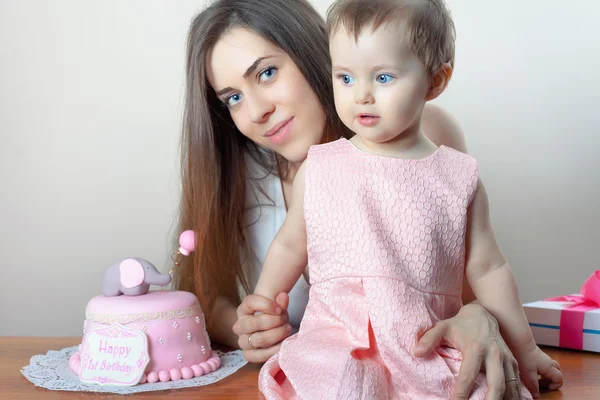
[(279, 133)]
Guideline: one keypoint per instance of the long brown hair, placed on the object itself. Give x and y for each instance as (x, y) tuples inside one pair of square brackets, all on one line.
[(213, 151)]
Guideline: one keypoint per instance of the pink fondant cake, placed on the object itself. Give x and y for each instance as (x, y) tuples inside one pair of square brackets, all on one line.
[(178, 343)]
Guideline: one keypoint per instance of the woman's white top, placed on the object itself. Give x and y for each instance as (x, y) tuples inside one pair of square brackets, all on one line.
[(263, 220)]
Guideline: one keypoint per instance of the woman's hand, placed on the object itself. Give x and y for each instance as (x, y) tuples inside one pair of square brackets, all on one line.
[(261, 326), (474, 332)]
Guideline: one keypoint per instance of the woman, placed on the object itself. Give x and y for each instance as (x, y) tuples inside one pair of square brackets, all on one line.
[(258, 96)]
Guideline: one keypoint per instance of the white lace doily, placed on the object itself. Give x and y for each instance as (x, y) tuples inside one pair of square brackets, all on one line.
[(52, 371)]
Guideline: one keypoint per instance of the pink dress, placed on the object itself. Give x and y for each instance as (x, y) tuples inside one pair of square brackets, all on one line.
[(386, 251)]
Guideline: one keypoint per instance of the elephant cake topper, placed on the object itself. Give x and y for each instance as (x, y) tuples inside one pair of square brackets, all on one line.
[(133, 276)]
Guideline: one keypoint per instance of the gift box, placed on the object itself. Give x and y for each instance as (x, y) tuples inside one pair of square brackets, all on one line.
[(572, 321)]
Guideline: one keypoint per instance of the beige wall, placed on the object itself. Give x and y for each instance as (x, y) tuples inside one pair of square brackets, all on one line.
[(90, 107)]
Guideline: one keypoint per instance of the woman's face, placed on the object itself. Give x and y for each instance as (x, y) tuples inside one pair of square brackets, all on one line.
[(269, 99)]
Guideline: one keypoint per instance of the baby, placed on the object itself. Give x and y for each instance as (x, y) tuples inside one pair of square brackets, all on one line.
[(389, 224)]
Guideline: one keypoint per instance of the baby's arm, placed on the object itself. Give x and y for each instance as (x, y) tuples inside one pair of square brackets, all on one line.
[(491, 277), (287, 256), (494, 285)]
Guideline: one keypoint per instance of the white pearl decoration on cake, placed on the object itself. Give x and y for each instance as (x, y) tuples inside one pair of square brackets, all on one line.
[(179, 357), (197, 320), (189, 336), (203, 349), (175, 325), (161, 340)]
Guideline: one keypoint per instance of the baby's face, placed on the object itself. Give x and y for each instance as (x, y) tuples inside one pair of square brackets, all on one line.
[(379, 84)]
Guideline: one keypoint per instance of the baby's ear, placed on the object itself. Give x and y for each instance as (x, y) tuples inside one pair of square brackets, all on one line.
[(440, 82)]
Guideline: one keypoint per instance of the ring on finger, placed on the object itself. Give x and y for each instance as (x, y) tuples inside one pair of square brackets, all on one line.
[(250, 341), (511, 379)]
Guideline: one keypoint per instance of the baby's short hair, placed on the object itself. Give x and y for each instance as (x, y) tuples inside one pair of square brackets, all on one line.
[(428, 22)]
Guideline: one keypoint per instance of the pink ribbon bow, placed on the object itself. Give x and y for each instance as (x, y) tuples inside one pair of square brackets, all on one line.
[(572, 317)]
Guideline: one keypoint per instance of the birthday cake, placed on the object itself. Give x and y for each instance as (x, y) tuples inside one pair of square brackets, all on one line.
[(132, 336)]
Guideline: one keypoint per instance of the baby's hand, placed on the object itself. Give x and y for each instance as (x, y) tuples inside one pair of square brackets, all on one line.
[(534, 362)]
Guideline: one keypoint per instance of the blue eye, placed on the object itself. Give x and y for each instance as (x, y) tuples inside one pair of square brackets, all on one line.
[(267, 74), (233, 100), (384, 78), (346, 79)]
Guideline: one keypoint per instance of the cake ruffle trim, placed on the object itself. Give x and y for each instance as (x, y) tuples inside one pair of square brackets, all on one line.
[(153, 316), (175, 374)]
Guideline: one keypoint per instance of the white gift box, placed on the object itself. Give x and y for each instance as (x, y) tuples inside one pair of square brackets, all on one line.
[(564, 324)]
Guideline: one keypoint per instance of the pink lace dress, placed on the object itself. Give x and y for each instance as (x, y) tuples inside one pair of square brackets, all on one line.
[(386, 251)]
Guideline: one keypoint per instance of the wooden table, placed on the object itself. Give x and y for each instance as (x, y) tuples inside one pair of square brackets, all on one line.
[(581, 372)]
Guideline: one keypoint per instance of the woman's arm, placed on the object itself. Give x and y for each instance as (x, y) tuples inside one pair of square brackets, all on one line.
[(220, 326), (442, 128)]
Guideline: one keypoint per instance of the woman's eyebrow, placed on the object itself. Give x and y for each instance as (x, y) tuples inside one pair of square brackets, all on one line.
[(248, 72), (254, 65), (221, 92)]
